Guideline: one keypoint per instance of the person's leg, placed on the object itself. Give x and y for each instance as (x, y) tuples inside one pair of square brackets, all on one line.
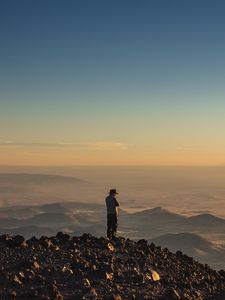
[(114, 225), (109, 226)]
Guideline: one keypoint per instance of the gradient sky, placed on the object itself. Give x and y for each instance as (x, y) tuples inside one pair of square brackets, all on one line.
[(117, 82)]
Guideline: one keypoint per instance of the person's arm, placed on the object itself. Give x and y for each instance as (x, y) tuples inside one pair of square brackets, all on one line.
[(117, 203)]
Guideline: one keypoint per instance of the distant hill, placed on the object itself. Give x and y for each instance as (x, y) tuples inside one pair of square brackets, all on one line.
[(157, 214), (29, 231), (193, 245), (37, 179), (18, 212), (54, 208), (23, 211), (40, 219), (96, 229), (83, 206), (204, 220), (183, 241), (50, 220), (7, 222)]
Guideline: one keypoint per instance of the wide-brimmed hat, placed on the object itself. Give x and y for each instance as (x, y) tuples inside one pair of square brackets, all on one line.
[(113, 191)]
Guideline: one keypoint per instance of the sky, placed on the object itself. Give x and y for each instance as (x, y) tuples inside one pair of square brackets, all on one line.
[(118, 82)]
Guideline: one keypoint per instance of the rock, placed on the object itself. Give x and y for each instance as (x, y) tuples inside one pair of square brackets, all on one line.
[(63, 237), (30, 293), (66, 270), (179, 254), (16, 241), (155, 276), (197, 295), (92, 294), (222, 273), (35, 265), (21, 275), (32, 242), (78, 274), (172, 294), (134, 276), (142, 243), (113, 297), (85, 237), (45, 242), (103, 241), (29, 275), (4, 238), (86, 283), (152, 247), (110, 247), (100, 274), (16, 280), (12, 294)]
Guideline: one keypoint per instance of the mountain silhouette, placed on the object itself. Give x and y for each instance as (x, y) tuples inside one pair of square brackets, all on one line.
[(37, 179), (54, 208), (50, 219), (193, 245), (204, 220), (29, 231), (157, 214)]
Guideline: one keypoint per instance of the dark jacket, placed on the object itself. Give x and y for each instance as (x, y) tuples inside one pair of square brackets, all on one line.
[(111, 204)]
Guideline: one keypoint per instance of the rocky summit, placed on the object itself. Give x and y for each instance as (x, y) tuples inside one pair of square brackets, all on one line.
[(85, 267)]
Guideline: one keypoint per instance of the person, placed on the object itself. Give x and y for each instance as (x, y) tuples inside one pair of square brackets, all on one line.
[(112, 214)]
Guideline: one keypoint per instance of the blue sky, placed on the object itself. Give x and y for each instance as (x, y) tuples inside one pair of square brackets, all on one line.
[(147, 74)]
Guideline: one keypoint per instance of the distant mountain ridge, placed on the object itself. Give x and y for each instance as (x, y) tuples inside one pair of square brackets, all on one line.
[(32, 178), (183, 241), (193, 245), (165, 215), (204, 220), (156, 212)]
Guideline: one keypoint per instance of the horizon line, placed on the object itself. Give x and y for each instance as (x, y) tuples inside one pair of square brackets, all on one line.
[(106, 166)]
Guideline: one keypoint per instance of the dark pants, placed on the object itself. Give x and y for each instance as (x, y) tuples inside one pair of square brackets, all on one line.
[(112, 224)]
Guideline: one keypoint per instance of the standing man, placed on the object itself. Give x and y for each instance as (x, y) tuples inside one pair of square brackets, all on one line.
[(112, 213)]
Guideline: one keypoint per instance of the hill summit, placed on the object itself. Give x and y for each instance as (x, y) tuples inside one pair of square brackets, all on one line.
[(85, 267)]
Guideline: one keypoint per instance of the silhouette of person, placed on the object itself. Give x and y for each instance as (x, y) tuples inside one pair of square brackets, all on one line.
[(112, 214)]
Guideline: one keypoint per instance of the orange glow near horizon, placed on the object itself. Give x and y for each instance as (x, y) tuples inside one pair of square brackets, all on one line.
[(97, 157)]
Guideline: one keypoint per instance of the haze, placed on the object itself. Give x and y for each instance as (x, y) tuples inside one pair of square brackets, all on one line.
[(185, 190)]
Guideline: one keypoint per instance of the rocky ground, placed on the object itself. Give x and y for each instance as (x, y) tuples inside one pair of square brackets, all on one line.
[(86, 267)]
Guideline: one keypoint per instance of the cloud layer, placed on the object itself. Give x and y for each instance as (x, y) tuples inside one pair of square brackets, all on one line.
[(88, 145)]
